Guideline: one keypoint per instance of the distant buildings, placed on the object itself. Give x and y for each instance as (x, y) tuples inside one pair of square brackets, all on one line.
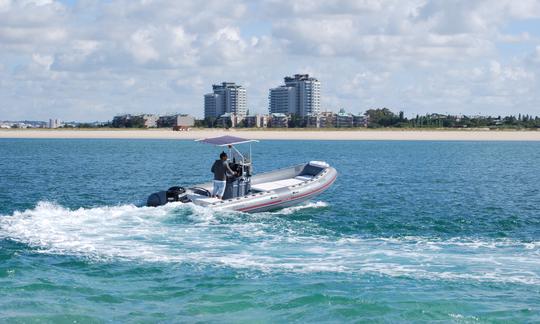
[(228, 120), (147, 120), (178, 120), (135, 121), (313, 121), (54, 123), (340, 120), (279, 120), (321, 120), (282, 100), (213, 105), (296, 103), (345, 119), (360, 120), (121, 121), (227, 97), (6, 124), (151, 121), (256, 121), (301, 95)]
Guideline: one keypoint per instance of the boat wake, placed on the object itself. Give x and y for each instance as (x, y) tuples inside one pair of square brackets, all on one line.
[(294, 209), (263, 242)]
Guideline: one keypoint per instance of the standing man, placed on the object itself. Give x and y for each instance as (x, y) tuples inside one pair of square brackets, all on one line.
[(220, 169)]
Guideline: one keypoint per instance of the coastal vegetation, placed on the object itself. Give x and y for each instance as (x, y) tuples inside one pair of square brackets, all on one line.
[(385, 118)]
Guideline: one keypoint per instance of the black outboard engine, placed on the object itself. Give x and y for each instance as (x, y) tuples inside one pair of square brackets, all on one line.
[(173, 193), (160, 198)]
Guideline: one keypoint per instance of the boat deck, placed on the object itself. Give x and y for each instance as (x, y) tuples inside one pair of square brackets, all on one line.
[(273, 185)]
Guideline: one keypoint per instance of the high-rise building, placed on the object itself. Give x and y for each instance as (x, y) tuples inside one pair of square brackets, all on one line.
[(54, 123), (301, 95), (283, 100), (212, 106), (227, 97)]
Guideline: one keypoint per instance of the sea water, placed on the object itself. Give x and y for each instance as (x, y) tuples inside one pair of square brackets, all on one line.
[(410, 231)]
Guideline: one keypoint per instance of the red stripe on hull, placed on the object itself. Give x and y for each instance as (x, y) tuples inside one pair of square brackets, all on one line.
[(290, 199)]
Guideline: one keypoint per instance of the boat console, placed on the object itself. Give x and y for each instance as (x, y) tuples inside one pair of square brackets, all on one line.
[(240, 184)]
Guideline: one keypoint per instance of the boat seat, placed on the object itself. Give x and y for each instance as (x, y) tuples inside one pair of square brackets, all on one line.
[(268, 186), (304, 177)]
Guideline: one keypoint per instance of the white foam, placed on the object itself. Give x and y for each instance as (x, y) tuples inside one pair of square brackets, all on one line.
[(185, 233), (308, 205)]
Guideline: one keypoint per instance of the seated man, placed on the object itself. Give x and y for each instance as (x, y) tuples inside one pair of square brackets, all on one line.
[(221, 170)]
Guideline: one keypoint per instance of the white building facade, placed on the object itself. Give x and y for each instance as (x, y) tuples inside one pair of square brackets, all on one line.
[(54, 123), (227, 97), (301, 95)]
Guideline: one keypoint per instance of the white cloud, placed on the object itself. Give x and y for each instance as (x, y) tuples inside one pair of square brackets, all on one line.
[(536, 55), (45, 61), (225, 46), (93, 59), (140, 46)]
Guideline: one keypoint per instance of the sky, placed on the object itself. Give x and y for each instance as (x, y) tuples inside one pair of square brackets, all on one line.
[(89, 60)]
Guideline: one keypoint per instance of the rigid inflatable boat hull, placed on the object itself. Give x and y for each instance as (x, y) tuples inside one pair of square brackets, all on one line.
[(273, 190)]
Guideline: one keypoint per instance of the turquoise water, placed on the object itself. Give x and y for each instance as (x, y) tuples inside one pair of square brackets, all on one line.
[(410, 231)]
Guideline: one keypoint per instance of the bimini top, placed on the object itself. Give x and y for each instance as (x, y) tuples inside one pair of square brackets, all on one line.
[(225, 140)]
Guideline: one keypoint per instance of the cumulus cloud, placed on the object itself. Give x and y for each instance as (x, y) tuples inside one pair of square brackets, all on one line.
[(92, 59), (26, 24)]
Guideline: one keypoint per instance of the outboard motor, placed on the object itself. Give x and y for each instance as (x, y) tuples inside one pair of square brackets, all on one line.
[(174, 193), (160, 198)]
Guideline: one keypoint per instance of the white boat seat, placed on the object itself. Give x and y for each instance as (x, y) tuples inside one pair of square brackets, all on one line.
[(268, 186), (304, 177), (319, 164)]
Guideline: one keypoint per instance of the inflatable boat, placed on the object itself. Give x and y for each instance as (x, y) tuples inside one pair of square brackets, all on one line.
[(247, 192)]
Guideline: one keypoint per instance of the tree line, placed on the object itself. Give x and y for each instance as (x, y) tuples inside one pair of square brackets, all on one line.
[(384, 117)]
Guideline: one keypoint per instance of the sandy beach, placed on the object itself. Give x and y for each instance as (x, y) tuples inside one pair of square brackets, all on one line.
[(299, 134)]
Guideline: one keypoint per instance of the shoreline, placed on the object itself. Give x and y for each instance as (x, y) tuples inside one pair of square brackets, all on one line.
[(281, 134)]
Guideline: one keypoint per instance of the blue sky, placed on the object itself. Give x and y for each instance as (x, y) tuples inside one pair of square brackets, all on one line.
[(89, 60)]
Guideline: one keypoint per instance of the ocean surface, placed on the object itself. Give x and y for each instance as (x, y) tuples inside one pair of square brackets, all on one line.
[(410, 232)]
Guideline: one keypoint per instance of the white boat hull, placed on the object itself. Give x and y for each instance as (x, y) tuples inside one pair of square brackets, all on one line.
[(283, 197), (273, 190)]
